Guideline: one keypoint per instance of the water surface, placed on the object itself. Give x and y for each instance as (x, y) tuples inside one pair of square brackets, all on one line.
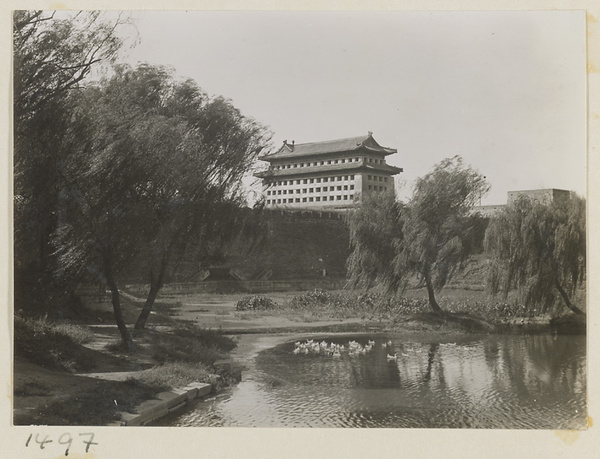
[(497, 381)]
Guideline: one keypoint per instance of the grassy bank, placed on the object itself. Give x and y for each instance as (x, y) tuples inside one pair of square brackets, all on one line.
[(52, 359)]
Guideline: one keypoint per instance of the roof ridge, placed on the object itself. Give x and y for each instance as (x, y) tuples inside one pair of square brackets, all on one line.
[(346, 144), (365, 137)]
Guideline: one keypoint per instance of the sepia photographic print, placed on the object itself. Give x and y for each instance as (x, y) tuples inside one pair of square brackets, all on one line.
[(347, 220)]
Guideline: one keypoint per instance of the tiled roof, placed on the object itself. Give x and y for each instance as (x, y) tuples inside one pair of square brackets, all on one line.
[(315, 170), (351, 144)]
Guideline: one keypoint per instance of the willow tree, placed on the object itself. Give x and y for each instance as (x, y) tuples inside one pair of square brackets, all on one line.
[(439, 223), (157, 174), (53, 54), (538, 250), (429, 237), (375, 233)]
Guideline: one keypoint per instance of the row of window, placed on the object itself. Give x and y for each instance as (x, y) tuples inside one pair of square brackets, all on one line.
[(377, 178), (377, 188), (313, 180), (311, 190), (329, 161), (310, 199)]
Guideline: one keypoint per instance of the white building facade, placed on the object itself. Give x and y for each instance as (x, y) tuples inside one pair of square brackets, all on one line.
[(327, 175)]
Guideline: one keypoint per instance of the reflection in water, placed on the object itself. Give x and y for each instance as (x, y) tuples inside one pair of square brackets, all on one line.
[(430, 356), (492, 382)]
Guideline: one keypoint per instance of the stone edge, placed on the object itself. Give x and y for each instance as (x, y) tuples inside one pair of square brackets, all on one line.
[(164, 403)]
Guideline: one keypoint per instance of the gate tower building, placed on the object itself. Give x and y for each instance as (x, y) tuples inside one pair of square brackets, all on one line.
[(330, 175)]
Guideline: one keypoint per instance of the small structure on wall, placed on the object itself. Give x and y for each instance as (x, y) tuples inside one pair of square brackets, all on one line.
[(542, 196), (328, 175)]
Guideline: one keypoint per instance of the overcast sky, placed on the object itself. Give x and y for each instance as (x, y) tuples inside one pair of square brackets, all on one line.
[(505, 90)]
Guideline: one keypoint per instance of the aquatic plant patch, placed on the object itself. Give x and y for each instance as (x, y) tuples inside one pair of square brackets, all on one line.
[(256, 303)]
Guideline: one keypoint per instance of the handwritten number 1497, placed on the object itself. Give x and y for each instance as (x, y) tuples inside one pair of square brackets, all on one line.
[(64, 439)]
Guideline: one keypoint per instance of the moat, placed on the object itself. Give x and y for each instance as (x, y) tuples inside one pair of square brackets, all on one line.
[(492, 382)]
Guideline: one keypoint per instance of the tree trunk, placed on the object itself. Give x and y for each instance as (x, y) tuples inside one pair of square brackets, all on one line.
[(432, 302), (116, 303), (156, 284), (565, 297), (143, 317)]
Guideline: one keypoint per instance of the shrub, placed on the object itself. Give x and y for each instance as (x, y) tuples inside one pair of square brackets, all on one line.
[(256, 303)]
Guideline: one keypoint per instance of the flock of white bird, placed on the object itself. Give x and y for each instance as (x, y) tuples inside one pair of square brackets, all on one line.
[(352, 349)]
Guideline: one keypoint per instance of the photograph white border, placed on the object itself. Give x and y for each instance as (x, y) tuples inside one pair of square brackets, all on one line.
[(151, 442)]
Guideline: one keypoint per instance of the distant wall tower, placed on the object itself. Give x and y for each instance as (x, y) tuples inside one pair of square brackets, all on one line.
[(328, 175)]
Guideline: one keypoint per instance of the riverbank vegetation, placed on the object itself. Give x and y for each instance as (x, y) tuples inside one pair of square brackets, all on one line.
[(535, 250), (54, 358), (539, 251), (429, 236), (468, 306)]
